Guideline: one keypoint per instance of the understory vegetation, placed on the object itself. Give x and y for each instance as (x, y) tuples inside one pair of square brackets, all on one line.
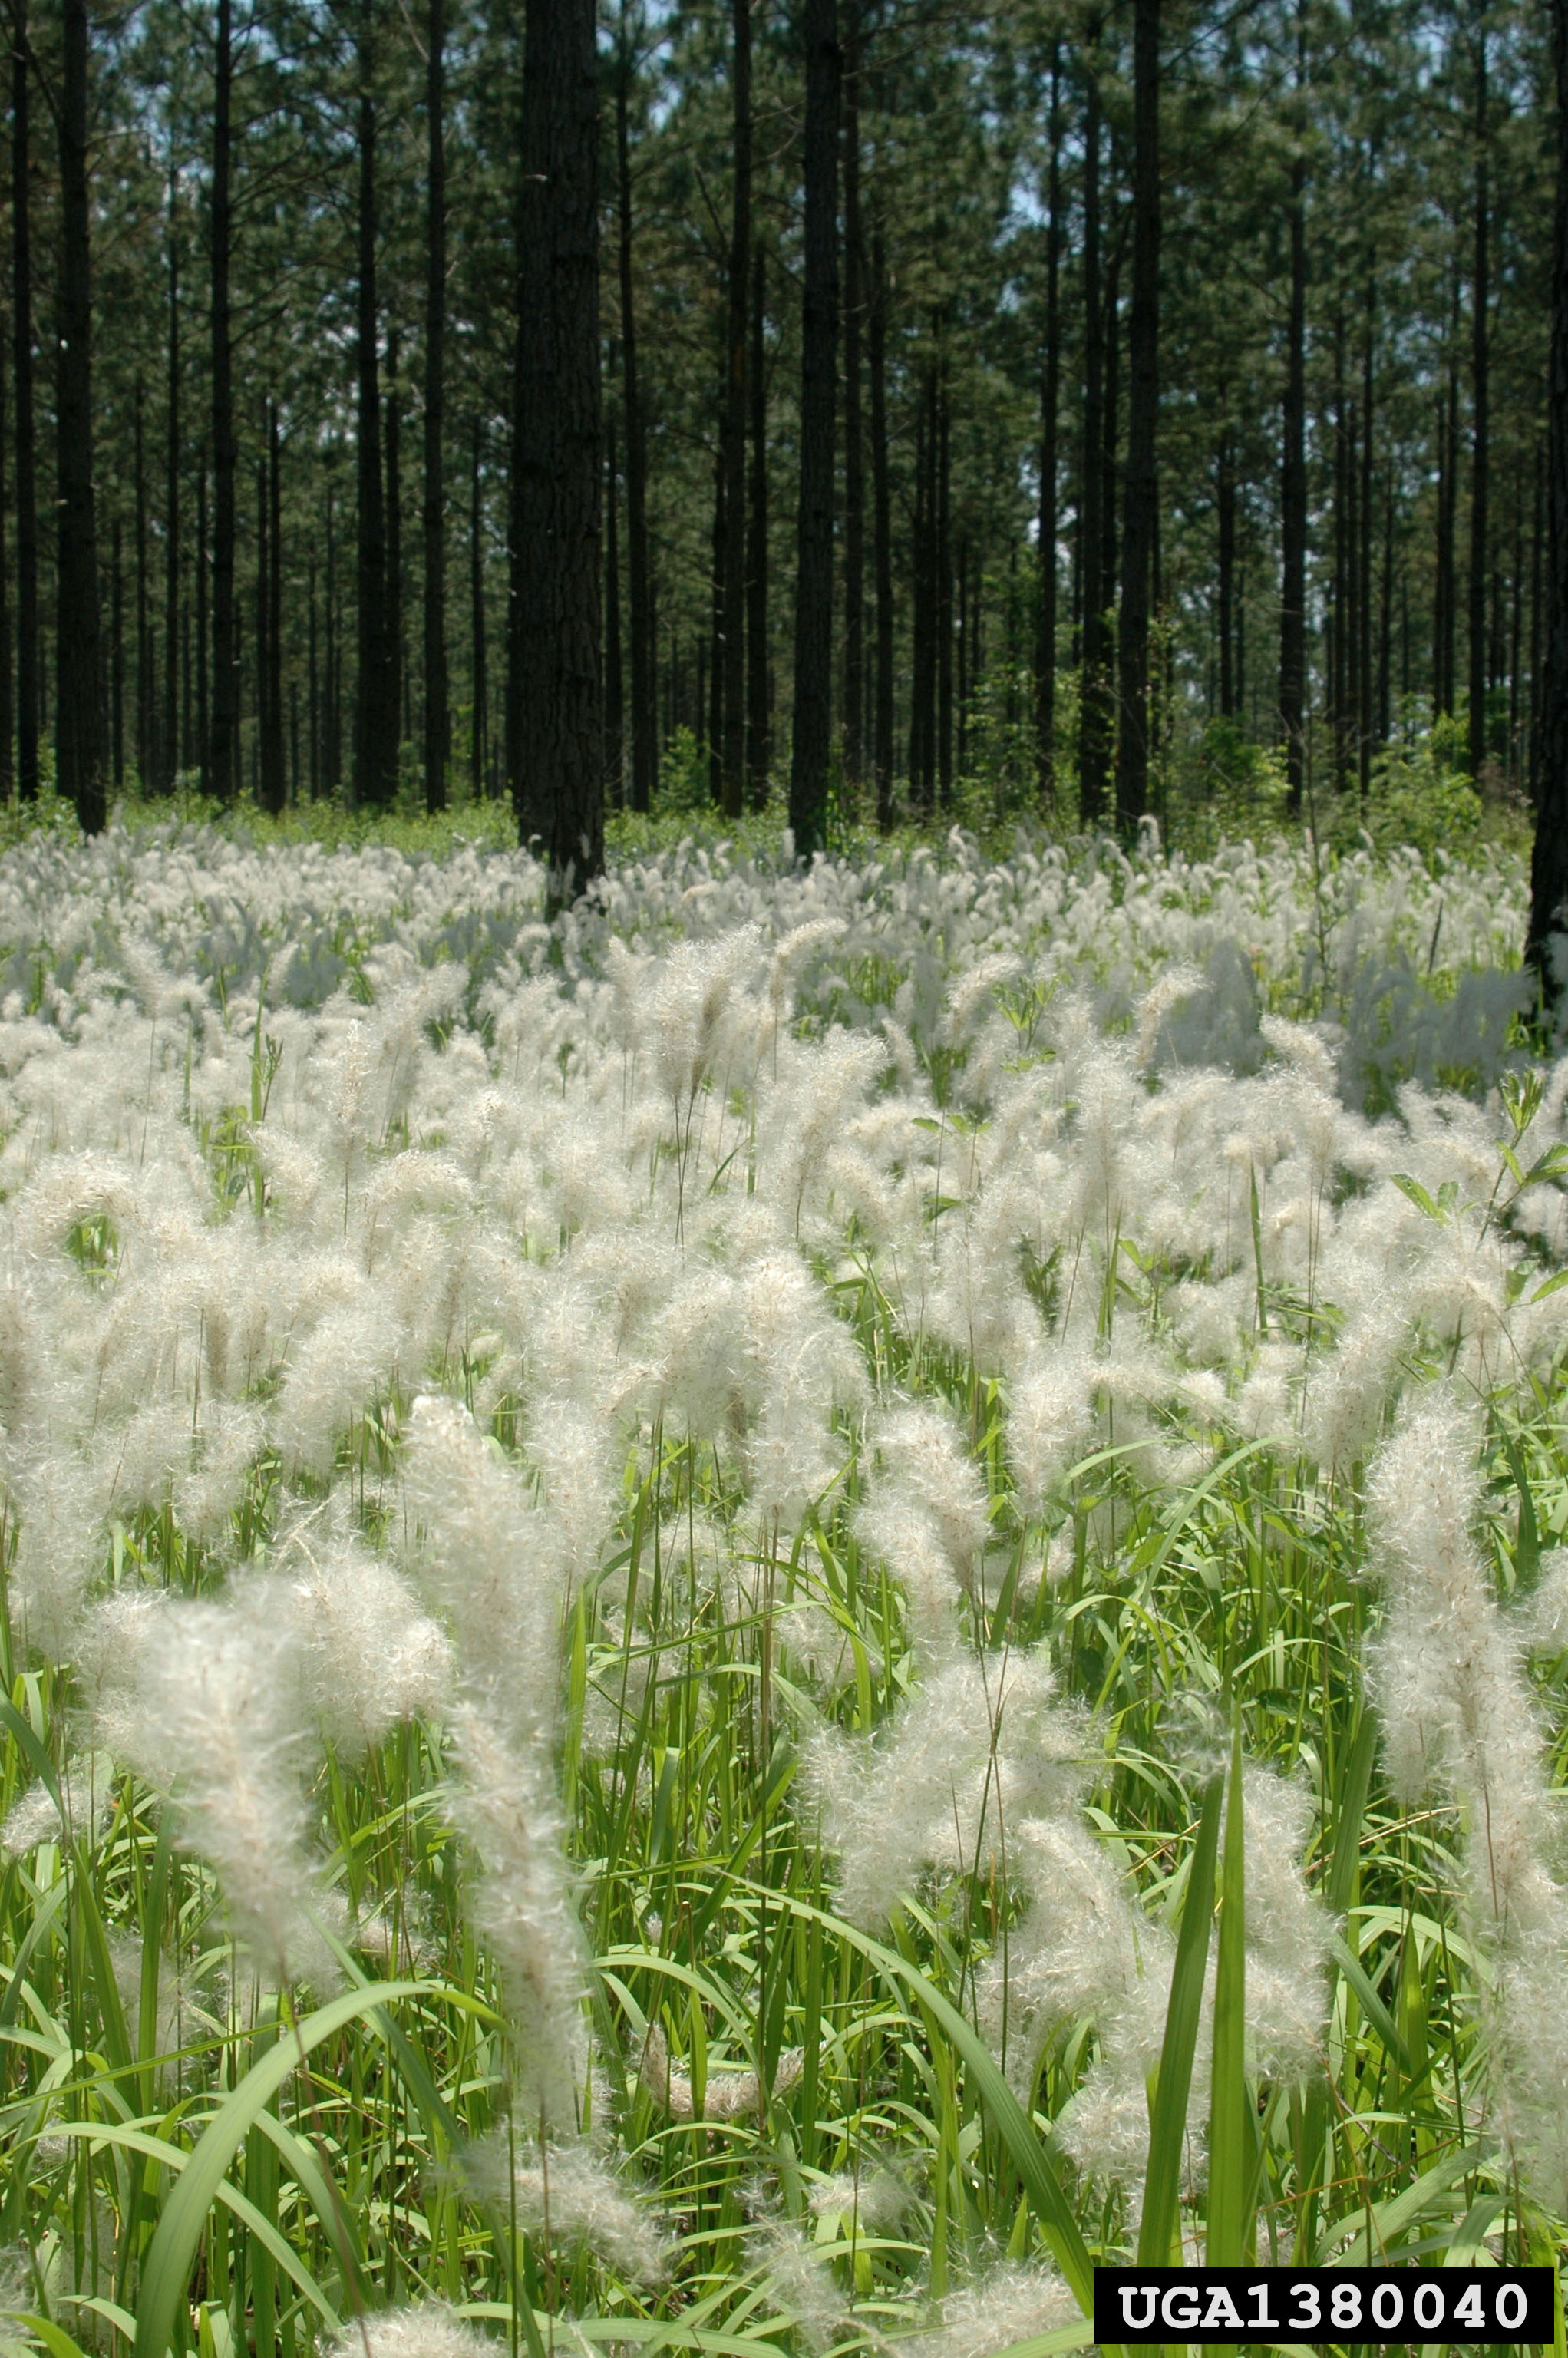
[(747, 1624)]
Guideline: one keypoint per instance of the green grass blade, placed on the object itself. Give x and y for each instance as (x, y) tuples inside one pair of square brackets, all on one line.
[(174, 2247), (1168, 2128), (1229, 2135)]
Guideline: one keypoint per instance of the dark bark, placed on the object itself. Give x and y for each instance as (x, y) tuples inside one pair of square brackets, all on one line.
[(943, 554), (8, 699), (1549, 873), (223, 749), (731, 649), (1480, 423), (438, 723), (261, 615), (558, 789), (144, 722), (333, 710), (923, 576), (79, 715), (1384, 714), (1140, 506), (269, 656), (854, 732), (1366, 715), (1226, 512), (759, 717), (1094, 715), (171, 553), (1050, 401), (812, 743), (396, 667), (116, 661), (713, 716), (479, 717), (1294, 492), (1533, 770), (27, 675), (1445, 593), (645, 729), (313, 684), (203, 738), (614, 684), (1107, 535), (881, 531), (376, 709)]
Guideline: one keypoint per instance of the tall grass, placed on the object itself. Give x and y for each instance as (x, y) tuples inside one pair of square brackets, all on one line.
[(755, 1642)]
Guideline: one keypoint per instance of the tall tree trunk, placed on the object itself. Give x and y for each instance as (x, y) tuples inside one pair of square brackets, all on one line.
[(79, 715), (1294, 478), (560, 799), (145, 725), (1050, 397), (171, 553), (332, 717), (1366, 717), (1094, 717), (730, 651), (478, 715), (376, 713), (882, 530), (313, 683), (1140, 505), (944, 588), (759, 730), (1446, 594), (854, 734), (1535, 753), (713, 717), (811, 745), (203, 737), (397, 667), (116, 661), (27, 446), (223, 752), (1226, 510), (1480, 420), (1548, 871), (644, 718), (1112, 314), (269, 657), (614, 684), (8, 699), (437, 725), (263, 610), (922, 571)]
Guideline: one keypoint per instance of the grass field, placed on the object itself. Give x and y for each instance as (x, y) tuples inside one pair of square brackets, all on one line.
[(749, 1624)]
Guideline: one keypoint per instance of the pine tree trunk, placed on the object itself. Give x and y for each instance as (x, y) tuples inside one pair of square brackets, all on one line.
[(376, 715), (171, 553), (614, 684), (882, 532), (644, 719), (1480, 425), (437, 725), (1050, 397), (812, 735), (558, 793), (1365, 713), (1549, 873), (8, 699), (1225, 505), (26, 445), (713, 719), (1293, 493), (333, 714), (731, 648), (944, 600), (759, 730), (223, 752), (1446, 592), (144, 653), (204, 737), (116, 662), (313, 685), (854, 737), (923, 633), (396, 668), (270, 657), (479, 691), (1094, 720), (79, 716), (1140, 506)]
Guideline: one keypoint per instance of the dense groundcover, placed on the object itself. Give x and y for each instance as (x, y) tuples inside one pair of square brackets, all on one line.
[(662, 1575)]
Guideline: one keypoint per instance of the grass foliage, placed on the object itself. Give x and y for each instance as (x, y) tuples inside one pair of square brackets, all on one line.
[(748, 1625)]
